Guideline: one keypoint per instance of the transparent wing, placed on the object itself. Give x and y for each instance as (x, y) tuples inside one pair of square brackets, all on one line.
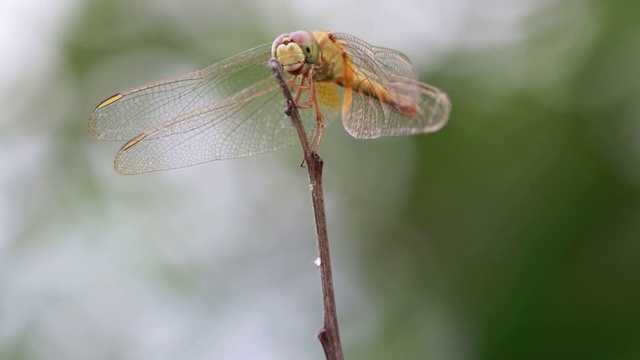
[(230, 109), (368, 117)]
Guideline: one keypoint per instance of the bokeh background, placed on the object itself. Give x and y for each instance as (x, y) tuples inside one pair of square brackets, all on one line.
[(514, 233)]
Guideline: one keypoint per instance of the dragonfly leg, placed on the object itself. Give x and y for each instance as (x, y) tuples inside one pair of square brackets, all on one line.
[(300, 88), (318, 131), (291, 81), (301, 85), (306, 84)]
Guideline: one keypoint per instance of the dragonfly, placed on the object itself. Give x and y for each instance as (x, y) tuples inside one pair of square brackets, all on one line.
[(234, 108)]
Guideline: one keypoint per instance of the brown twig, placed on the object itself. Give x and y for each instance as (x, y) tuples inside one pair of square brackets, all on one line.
[(329, 335)]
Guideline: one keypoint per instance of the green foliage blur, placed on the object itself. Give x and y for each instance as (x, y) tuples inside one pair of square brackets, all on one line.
[(514, 233)]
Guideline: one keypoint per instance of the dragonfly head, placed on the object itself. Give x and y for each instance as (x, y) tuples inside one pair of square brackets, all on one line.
[(296, 51)]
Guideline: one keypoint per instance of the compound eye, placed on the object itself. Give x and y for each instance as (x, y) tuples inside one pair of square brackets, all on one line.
[(302, 37), (308, 44)]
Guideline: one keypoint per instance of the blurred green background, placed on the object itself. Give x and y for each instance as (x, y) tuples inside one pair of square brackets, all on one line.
[(514, 233)]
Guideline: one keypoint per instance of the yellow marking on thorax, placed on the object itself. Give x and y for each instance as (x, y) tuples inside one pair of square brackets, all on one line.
[(110, 100), (328, 94), (133, 141)]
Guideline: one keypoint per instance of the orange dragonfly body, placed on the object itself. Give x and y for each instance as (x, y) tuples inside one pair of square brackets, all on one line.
[(234, 108)]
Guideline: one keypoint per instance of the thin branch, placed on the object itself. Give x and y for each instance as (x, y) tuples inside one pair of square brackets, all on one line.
[(329, 335)]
